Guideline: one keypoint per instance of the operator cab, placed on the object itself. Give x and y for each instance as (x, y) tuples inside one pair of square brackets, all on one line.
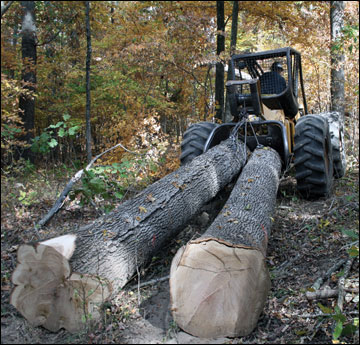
[(280, 76)]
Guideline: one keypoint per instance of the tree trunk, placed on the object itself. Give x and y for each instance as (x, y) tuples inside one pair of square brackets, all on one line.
[(223, 273), (337, 57), (234, 27), (233, 39), (219, 76), (116, 245), (4, 7), (88, 62), (28, 48)]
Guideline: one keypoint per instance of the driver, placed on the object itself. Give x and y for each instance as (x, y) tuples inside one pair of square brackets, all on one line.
[(273, 82)]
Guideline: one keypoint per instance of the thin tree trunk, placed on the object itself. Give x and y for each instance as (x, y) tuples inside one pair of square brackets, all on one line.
[(337, 58), (28, 48), (223, 273), (4, 7), (219, 76), (234, 27), (88, 99), (233, 39)]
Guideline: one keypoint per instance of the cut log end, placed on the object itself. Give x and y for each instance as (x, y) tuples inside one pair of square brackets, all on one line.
[(47, 295), (228, 291)]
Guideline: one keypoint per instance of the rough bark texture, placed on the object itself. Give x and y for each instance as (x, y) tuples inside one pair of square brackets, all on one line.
[(88, 99), (219, 74), (337, 58), (246, 217), (233, 40), (115, 245), (28, 51), (223, 273)]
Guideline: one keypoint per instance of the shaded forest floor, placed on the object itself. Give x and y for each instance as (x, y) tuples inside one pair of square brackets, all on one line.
[(308, 238)]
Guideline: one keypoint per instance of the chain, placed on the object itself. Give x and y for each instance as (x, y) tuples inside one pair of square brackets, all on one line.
[(244, 116)]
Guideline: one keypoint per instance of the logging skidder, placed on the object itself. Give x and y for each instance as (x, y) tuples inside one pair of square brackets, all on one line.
[(222, 274), (268, 104)]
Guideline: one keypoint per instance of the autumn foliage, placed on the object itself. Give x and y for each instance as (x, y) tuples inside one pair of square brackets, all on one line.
[(152, 68)]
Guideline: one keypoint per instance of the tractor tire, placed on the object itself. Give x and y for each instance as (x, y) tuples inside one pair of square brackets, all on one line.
[(313, 158), (336, 127), (194, 141)]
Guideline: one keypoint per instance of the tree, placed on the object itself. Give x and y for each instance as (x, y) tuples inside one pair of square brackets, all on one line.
[(28, 49), (234, 27), (233, 40), (220, 47), (337, 57), (88, 98), (5, 7)]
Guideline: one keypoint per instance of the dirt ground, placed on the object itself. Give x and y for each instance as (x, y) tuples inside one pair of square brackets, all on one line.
[(307, 239)]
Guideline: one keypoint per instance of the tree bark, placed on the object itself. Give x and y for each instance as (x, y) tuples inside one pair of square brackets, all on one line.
[(233, 39), (234, 27), (88, 99), (219, 75), (28, 49), (223, 273), (116, 245), (337, 57)]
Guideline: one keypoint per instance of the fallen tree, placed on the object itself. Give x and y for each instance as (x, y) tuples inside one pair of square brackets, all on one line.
[(116, 245), (219, 282)]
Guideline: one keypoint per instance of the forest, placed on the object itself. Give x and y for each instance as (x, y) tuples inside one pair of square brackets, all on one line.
[(96, 97)]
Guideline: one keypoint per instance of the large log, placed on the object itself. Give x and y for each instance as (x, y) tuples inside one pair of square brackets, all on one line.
[(116, 245), (219, 282)]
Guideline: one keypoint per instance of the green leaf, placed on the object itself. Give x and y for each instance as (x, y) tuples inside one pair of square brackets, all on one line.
[(118, 195), (22, 195), (324, 309), (61, 132), (339, 317), (349, 330), (52, 143), (338, 330), (66, 117), (73, 130), (352, 234), (57, 125), (97, 185), (353, 251)]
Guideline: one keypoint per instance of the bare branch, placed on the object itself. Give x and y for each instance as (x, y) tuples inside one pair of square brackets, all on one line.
[(4, 7), (60, 201)]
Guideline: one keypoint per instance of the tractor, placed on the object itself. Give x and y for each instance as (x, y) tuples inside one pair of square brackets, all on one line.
[(265, 91)]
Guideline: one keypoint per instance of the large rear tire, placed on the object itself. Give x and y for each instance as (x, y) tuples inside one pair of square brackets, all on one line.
[(194, 141), (313, 157)]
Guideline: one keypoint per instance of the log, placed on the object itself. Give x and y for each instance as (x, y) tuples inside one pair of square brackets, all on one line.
[(219, 282), (47, 293), (114, 246)]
